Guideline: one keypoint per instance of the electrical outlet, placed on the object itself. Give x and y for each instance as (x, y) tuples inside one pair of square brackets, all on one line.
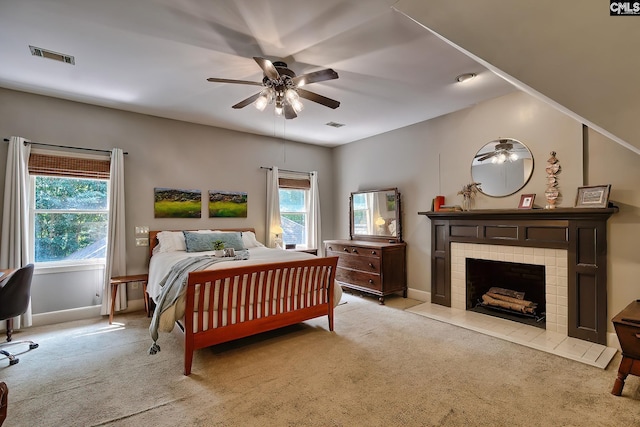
[(142, 241), (134, 285)]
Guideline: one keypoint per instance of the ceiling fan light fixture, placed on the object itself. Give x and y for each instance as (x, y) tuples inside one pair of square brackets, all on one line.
[(465, 77), (261, 102), (291, 95), (297, 106)]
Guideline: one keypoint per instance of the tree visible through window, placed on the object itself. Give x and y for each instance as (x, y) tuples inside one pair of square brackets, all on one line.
[(70, 218)]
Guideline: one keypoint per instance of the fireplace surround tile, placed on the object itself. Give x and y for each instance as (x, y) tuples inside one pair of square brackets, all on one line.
[(549, 258)]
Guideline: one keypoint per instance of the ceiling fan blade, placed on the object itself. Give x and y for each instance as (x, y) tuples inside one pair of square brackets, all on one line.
[(240, 82), (486, 156), (289, 112), (268, 68), (311, 96), (316, 76), (247, 101)]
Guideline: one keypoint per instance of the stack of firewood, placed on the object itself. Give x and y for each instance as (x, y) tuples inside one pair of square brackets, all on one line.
[(509, 299)]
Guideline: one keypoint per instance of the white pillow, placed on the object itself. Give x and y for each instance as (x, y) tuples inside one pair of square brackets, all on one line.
[(249, 240), (171, 241)]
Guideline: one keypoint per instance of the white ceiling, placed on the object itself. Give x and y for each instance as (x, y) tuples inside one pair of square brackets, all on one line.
[(154, 56)]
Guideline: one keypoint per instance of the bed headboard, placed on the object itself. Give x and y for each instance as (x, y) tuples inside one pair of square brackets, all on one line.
[(153, 239)]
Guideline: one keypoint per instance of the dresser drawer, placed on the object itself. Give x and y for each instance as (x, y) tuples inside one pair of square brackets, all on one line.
[(365, 264), (354, 250), (359, 278)]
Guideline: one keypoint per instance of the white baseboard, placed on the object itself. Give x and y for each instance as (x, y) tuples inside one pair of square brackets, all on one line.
[(423, 296), (612, 340), (82, 313)]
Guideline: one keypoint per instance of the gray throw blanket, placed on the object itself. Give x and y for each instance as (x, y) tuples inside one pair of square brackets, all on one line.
[(174, 285)]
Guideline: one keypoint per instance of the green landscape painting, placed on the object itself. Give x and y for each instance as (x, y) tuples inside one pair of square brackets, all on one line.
[(227, 204), (174, 203)]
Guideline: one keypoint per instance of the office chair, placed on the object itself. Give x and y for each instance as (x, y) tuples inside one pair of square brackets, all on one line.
[(14, 301), (4, 396)]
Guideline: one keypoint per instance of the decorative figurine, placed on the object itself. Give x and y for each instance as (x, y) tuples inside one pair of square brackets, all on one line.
[(552, 193)]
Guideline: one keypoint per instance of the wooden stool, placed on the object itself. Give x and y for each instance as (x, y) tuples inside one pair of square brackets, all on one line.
[(627, 326), (119, 280)]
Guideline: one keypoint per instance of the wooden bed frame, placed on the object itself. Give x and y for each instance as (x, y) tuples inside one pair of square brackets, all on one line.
[(278, 294)]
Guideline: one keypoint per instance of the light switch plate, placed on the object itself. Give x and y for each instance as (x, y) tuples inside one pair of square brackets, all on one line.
[(142, 229), (142, 241)]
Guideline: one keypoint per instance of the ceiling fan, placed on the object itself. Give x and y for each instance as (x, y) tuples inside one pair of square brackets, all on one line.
[(501, 153), (283, 88)]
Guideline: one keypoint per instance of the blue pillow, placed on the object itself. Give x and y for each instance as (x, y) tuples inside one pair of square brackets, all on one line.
[(201, 242)]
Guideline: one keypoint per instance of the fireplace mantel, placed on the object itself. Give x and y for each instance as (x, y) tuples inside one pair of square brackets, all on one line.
[(581, 231)]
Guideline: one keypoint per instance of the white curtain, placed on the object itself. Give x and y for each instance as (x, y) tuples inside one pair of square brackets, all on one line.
[(14, 246), (115, 264), (315, 232), (273, 207)]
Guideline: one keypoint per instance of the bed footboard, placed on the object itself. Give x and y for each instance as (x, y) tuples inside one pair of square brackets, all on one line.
[(231, 303)]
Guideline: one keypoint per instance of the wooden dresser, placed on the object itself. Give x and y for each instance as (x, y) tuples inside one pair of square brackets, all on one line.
[(373, 267)]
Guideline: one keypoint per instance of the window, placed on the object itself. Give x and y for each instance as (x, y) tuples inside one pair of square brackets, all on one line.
[(294, 193), (70, 218), (293, 215), (69, 209)]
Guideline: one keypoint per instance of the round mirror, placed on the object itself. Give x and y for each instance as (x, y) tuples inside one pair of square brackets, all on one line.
[(502, 167)]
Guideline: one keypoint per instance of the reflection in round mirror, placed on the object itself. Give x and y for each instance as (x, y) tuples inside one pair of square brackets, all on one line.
[(502, 167)]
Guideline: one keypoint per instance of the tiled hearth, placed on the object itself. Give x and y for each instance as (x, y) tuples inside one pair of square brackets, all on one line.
[(552, 340)]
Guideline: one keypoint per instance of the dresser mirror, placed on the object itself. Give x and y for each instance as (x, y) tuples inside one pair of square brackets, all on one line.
[(502, 167), (375, 215)]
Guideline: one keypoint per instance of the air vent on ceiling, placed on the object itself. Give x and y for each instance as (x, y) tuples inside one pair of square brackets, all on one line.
[(335, 125), (44, 53)]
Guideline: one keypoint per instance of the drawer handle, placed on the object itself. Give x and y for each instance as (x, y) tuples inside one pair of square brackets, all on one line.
[(346, 249), (371, 265), (330, 248), (354, 250), (638, 336), (373, 252), (371, 281)]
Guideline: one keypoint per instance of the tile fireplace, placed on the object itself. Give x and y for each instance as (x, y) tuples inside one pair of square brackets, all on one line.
[(570, 243)]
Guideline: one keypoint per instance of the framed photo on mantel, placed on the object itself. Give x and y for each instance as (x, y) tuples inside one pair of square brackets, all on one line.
[(595, 196), (526, 201)]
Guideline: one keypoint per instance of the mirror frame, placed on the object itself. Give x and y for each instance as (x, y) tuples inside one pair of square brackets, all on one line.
[(496, 141), (387, 238)]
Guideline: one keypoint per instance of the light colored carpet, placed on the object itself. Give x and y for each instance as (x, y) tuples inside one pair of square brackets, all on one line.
[(382, 366)]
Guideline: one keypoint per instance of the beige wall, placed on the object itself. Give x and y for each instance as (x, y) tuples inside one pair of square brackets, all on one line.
[(434, 157), (166, 153), (422, 160), (610, 163)]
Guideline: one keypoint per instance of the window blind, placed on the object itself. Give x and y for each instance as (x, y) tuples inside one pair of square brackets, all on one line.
[(294, 180), (78, 167)]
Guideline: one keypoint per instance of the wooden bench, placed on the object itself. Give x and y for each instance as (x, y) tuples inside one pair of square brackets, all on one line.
[(119, 280)]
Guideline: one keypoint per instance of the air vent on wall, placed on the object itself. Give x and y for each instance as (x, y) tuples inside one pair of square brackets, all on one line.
[(334, 124), (44, 53)]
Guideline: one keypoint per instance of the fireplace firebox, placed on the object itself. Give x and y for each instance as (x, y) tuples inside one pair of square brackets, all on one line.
[(509, 290)]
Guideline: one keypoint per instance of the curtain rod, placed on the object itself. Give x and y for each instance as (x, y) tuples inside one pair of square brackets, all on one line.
[(286, 170), (42, 144)]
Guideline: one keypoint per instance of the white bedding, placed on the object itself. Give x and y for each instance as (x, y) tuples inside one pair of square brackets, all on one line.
[(161, 263)]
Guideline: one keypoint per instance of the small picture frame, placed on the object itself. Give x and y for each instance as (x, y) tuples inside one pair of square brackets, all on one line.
[(526, 201), (594, 196)]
